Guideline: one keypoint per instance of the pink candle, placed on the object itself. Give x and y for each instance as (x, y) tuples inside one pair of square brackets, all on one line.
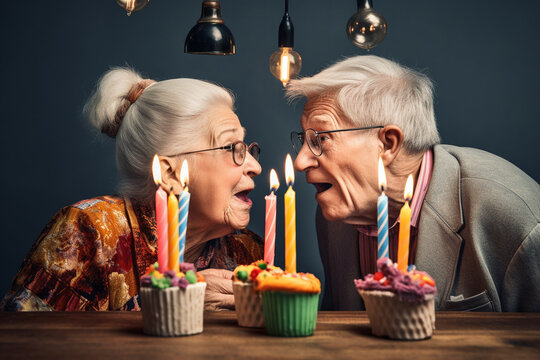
[(161, 218), (270, 220)]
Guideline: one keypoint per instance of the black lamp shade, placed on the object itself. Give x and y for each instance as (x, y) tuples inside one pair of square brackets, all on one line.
[(210, 36)]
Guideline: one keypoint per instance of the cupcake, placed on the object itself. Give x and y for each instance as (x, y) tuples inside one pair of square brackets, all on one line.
[(172, 302), (248, 302), (290, 302), (399, 305)]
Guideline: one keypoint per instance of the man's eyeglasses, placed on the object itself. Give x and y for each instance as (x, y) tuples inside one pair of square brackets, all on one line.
[(313, 140), (238, 149)]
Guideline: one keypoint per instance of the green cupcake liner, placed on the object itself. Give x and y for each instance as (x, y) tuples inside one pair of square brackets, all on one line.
[(290, 314)]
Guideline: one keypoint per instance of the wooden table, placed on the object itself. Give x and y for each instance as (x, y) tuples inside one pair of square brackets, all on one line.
[(338, 335)]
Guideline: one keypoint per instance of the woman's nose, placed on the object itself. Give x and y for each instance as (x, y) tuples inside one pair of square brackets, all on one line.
[(252, 166), (305, 159)]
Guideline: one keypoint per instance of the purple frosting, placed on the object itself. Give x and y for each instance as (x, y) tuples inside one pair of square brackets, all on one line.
[(398, 283), (175, 281), (180, 282), (185, 267), (146, 280), (170, 274)]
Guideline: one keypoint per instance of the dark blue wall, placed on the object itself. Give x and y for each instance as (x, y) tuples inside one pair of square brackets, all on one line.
[(483, 57)]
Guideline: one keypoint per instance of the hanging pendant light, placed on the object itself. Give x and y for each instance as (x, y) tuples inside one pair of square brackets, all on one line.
[(210, 36), (367, 28), (285, 63), (132, 5)]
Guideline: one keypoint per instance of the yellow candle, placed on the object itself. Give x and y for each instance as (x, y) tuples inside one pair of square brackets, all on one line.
[(290, 219), (173, 212), (405, 228)]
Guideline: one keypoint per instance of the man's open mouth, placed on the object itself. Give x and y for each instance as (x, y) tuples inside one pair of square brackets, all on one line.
[(322, 187)]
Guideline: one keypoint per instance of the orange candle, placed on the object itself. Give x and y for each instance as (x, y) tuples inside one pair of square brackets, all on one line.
[(405, 228), (173, 212)]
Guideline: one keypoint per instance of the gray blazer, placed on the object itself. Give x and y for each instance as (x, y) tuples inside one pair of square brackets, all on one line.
[(478, 237)]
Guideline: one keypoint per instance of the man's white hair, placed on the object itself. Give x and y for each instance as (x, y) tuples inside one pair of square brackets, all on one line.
[(169, 117), (371, 90)]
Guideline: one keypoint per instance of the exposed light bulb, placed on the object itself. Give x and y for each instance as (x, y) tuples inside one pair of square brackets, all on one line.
[(366, 28), (132, 5), (285, 64)]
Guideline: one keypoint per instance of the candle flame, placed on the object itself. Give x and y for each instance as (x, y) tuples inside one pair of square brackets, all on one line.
[(274, 181), (156, 170), (408, 188), (289, 170), (382, 175), (184, 174)]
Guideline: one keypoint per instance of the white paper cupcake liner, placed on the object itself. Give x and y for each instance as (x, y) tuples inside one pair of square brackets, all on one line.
[(173, 311), (398, 319), (248, 304)]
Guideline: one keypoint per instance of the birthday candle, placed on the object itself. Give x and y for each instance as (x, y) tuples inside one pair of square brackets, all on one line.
[(184, 209), (405, 227), (173, 212), (382, 215), (290, 219), (270, 220), (161, 217)]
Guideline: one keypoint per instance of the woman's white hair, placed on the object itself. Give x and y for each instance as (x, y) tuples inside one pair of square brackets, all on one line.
[(374, 91), (169, 117)]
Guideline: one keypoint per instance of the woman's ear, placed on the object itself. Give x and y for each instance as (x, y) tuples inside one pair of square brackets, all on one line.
[(391, 139), (170, 174)]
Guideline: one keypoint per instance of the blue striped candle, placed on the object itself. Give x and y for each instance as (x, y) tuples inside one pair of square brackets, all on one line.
[(183, 211), (382, 216), (382, 226), (182, 221)]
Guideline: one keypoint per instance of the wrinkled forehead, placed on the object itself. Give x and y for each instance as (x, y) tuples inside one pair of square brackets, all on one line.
[(228, 129), (237, 132), (323, 112), (225, 125)]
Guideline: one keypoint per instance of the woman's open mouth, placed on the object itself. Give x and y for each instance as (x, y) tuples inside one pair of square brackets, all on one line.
[(322, 187), (243, 196)]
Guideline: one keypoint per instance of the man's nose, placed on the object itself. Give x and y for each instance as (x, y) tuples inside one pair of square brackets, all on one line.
[(305, 159)]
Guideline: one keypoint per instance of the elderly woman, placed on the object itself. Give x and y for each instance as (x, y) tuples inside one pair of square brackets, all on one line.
[(475, 217), (91, 254)]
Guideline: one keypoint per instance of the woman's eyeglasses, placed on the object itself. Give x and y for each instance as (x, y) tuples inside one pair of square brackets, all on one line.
[(238, 149), (313, 140)]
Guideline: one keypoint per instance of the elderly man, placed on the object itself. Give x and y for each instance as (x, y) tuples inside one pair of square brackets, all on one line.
[(475, 217)]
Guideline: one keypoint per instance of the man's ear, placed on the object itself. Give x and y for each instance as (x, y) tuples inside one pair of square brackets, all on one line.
[(391, 140), (170, 174)]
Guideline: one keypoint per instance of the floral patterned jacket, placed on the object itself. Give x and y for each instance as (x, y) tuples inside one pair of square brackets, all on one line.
[(92, 254)]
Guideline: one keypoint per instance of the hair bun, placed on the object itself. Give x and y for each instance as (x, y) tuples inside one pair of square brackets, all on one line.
[(111, 128), (111, 99)]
